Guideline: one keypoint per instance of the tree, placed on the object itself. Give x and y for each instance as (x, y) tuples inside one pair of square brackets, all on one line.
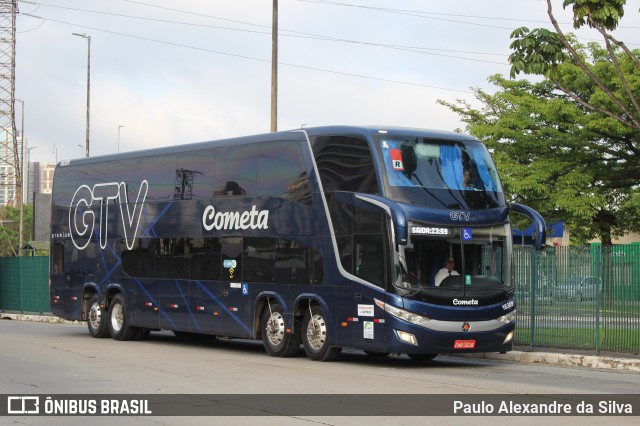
[(568, 145), (611, 88), (9, 229)]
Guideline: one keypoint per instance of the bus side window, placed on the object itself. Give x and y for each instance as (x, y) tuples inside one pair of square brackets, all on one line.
[(57, 260), (369, 258), (236, 170), (345, 164)]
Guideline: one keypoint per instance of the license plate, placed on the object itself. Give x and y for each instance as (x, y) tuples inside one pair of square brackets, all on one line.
[(464, 344)]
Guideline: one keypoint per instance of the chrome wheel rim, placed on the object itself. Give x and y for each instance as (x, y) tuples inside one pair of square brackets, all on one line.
[(316, 332), (117, 317), (275, 329), (95, 316)]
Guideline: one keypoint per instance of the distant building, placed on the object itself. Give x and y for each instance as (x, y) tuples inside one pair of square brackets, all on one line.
[(43, 177)]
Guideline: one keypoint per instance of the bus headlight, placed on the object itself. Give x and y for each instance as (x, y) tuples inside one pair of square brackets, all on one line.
[(403, 315), (407, 337), (508, 338), (507, 318)]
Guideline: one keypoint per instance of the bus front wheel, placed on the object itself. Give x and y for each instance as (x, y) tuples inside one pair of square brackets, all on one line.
[(315, 336), (277, 342), (97, 318), (118, 327)]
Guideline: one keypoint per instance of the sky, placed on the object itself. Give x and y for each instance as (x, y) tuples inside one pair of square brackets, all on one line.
[(169, 73)]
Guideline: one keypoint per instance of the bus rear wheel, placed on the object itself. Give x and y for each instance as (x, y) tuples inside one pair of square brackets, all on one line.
[(118, 327), (315, 336), (97, 318), (277, 342)]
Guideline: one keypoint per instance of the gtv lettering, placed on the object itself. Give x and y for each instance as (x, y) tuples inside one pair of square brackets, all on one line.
[(82, 219)]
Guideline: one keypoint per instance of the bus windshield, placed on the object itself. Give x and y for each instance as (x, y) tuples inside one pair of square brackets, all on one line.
[(455, 261), (440, 173)]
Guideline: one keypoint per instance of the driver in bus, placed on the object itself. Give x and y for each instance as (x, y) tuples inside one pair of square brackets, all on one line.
[(468, 179), (446, 271)]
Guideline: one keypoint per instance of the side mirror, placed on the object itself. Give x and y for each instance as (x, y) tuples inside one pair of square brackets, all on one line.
[(540, 228)]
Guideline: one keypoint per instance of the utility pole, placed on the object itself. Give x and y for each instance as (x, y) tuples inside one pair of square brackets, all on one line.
[(88, 37), (274, 68)]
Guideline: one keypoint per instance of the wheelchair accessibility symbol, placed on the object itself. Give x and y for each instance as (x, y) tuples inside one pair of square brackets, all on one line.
[(245, 289), (467, 234)]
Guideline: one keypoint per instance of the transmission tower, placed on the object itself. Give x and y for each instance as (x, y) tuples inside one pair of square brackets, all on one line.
[(10, 149)]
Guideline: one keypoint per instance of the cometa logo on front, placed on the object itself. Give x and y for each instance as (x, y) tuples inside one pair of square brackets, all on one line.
[(467, 302)]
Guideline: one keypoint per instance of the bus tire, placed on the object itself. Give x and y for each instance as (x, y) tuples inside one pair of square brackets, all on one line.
[(97, 318), (118, 327), (315, 336), (422, 357), (277, 342), (142, 334)]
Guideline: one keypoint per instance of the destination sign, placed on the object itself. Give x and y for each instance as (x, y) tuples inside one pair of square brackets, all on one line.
[(429, 230)]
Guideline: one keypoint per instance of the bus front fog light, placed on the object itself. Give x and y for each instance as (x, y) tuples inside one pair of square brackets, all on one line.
[(508, 338), (407, 337)]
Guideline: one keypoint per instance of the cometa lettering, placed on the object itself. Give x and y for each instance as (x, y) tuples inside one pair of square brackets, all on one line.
[(469, 302), (252, 219)]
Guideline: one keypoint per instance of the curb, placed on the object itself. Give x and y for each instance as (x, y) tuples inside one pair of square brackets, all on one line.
[(572, 360), (37, 318), (550, 358)]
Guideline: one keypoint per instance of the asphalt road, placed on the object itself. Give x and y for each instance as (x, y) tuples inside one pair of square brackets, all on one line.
[(44, 358)]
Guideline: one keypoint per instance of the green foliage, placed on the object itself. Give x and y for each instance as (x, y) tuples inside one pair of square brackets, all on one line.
[(538, 51), (569, 145), (568, 164), (603, 13), (10, 226)]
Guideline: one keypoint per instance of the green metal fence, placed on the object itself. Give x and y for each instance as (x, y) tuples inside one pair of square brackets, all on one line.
[(585, 297), (24, 284)]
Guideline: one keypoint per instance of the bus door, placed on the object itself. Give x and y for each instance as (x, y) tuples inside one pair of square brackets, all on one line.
[(368, 332), (234, 293)]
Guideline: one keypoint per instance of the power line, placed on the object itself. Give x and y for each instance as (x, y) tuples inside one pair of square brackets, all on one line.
[(419, 13), (235, 55), (295, 34)]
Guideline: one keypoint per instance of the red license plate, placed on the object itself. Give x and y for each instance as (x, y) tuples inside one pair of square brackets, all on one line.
[(464, 344)]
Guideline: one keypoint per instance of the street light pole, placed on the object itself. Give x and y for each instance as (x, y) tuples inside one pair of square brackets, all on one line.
[(88, 85), (119, 127), (28, 160)]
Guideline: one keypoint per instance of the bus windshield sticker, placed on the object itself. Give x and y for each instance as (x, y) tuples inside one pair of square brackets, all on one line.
[(396, 159), (235, 285), (245, 289)]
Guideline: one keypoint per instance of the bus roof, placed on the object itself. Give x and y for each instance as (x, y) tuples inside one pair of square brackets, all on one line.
[(364, 131)]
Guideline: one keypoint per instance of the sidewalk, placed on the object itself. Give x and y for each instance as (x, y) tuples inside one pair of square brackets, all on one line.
[(619, 362), (624, 362)]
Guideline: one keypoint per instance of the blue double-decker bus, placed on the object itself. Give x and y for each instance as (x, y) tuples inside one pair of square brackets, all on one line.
[(324, 237)]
